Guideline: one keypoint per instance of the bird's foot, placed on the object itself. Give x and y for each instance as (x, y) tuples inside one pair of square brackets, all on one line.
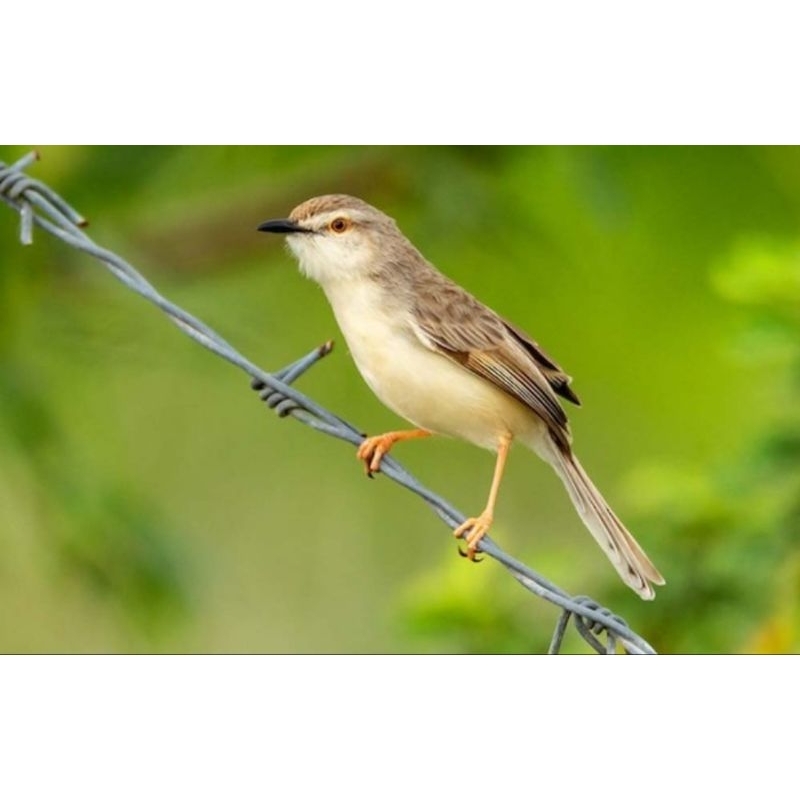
[(478, 527), (373, 449)]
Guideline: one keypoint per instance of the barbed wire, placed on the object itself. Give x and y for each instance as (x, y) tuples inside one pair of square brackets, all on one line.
[(38, 205)]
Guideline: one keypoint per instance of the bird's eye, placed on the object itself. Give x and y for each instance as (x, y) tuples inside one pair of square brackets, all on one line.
[(339, 225)]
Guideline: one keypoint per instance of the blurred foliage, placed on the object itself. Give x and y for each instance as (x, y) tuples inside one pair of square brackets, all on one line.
[(148, 503), (95, 527)]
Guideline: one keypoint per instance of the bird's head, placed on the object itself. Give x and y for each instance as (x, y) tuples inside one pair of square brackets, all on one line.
[(336, 237)]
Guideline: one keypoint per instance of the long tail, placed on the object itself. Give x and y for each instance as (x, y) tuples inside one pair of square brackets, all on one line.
[(624, 552)]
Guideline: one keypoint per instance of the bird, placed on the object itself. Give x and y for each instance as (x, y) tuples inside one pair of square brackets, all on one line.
[(447, 363)]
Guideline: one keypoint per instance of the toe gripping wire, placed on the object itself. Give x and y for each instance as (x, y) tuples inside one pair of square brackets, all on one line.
[(39, 206)]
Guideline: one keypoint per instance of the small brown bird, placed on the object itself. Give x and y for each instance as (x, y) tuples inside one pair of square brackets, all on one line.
[(438, 357)]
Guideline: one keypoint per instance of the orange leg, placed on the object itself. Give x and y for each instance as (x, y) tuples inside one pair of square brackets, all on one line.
[(374, 448), (478, 526)]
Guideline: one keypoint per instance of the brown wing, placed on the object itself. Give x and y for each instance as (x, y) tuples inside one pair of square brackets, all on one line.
[(452, 322), (556, 376)]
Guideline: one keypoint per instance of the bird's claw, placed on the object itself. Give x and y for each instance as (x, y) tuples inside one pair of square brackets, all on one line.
[(470, 554), (472, 530), (371, 451)]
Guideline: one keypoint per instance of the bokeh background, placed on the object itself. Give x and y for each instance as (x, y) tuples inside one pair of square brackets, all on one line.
[(150, 503)]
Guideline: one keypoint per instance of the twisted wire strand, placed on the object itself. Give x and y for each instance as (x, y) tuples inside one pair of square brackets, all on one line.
[(38, 205)]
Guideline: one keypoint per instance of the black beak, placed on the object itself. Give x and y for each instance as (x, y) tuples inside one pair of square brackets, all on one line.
[(281, 226)]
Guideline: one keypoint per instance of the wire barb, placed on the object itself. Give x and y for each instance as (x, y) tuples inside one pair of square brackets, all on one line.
[(38, 205)]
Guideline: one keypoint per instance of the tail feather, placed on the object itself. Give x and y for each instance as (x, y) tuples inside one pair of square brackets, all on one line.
[(624, 552)]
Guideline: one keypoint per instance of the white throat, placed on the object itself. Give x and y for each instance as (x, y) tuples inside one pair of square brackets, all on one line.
[(328, 260)]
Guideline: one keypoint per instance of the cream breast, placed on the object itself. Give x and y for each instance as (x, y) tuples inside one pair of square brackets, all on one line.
[(420, 385)]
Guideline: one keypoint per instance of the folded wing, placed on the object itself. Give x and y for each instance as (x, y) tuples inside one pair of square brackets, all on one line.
[(453, 323)]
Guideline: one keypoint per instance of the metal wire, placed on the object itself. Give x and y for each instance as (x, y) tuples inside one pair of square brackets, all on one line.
[(38, 205)]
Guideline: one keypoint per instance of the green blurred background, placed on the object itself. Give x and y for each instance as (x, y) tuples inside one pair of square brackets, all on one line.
[(150, 503)]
